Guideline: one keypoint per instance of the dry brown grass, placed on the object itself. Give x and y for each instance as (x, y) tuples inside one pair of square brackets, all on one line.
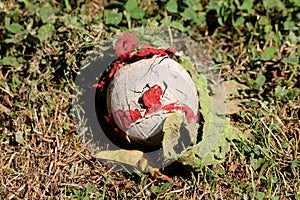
[(41, 156)]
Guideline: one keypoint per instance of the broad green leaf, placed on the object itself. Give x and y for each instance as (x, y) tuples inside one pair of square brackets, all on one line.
[(239, 21), (189, 14), (295, 163), (113, 18), (260, 195), (292, 36), (291, 59), (288, 25), (134, 11), (11, 61), (200, 19), (11, 40), (138, 13), (172, 6), (260, 81), (24, 33), (158, 190), (281, 91), (45, 32), (275, 198), (195, 5), (268, 53), (254, 52), (247, 5), (220, 21), (264, 21), (48, 14), (14, 27), (269, 4), (256, 163), (177, 25), (166, 21), (70, 21), (131, 5)]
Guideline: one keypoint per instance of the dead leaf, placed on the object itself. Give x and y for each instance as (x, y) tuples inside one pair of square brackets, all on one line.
[(217, 129), (232, 107), (19, 137), (231, 88), (171, 131), (130, 157)]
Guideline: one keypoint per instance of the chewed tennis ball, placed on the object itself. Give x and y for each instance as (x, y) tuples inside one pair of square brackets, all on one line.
[(142, 94)]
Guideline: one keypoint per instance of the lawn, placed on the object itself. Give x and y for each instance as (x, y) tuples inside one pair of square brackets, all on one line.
[(255, 44)]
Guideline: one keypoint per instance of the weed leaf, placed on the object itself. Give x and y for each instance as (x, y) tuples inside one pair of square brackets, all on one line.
[(134, 11), (138, 13), (113, 18), (288, 25), (45, 32), (131, 5), (268, 53), (189, 14), (260, 81), (10, 61), (172, 6), (247, 5), (14, 27)]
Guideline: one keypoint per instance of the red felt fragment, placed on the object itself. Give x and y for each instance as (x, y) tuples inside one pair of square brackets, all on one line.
[(149, 51), (125, 45), (110, 75), (135, 114), (152, 96), (115, 129), (123, 118), (172, 107), (152, 103), (171, 51), (99, 85), (189, 114), (151, 99), (153, 109), (113, 69)]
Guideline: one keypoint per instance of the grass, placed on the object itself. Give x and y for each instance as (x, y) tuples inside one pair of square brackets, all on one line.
[(42, 46)]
